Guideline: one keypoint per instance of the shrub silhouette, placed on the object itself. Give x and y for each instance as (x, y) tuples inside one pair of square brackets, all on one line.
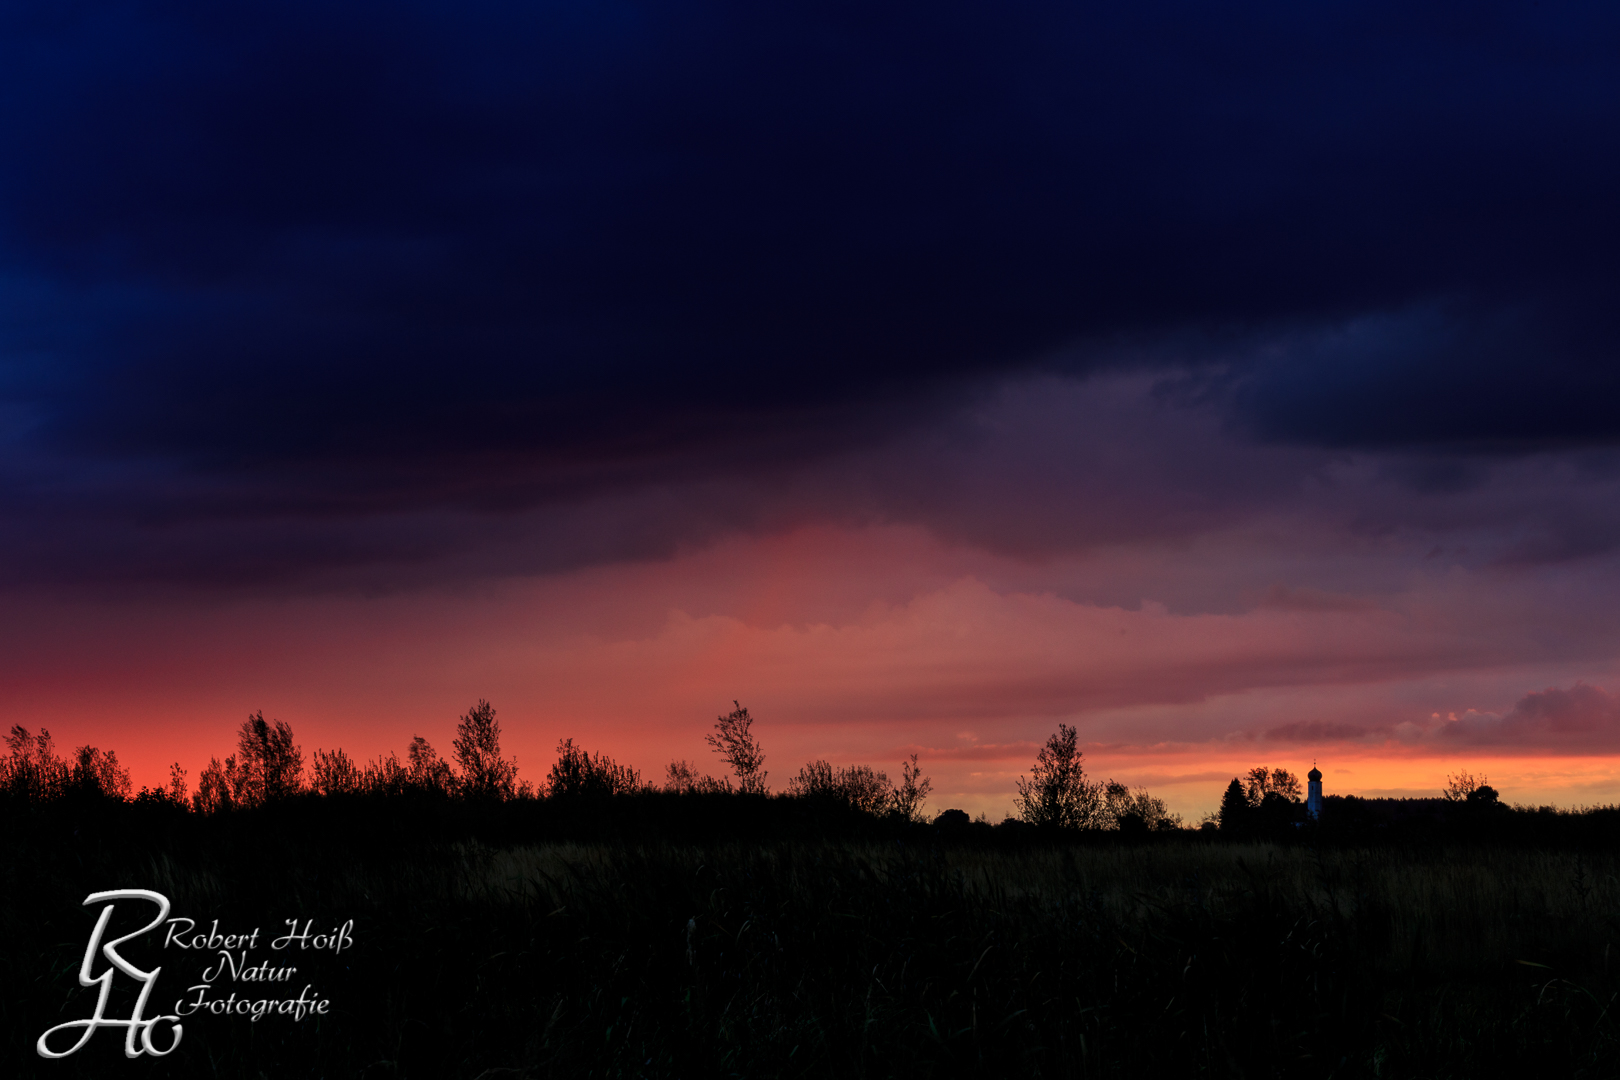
[(682, 777), (952, 819), (387, 776), (578, 774), (335, 773), (859, 787), (173, 794), (1135, 810), (32, 771), (1464, 786)]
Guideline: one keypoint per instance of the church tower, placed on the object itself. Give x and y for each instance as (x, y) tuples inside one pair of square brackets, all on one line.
[(1313, 796)]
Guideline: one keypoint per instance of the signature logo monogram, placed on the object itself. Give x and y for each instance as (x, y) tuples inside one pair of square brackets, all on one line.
[(137, 1031)]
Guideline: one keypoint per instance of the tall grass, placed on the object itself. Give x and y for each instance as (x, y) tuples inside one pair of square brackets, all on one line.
[(850, 957)]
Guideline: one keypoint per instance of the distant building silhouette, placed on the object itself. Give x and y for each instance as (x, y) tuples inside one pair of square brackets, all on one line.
[(1313, 797)]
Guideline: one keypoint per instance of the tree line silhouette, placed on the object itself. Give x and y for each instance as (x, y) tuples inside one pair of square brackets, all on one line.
[(1056, 796), (269, 766), (1266, 804)]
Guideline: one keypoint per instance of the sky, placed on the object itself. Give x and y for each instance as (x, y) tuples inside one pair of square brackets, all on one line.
[(1236, 383)]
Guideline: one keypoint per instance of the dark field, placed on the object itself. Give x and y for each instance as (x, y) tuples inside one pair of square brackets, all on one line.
[(480, 946)]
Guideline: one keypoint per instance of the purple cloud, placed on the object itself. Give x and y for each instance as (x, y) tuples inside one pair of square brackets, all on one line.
[(1584, 718)]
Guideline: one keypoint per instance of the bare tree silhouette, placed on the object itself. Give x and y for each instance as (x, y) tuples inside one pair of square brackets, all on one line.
[(736, 745), (913, 791)]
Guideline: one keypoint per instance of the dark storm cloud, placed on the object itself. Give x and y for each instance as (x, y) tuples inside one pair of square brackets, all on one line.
[(1494, 375), (335, 264)]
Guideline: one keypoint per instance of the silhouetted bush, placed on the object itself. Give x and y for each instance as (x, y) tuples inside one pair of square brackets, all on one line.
[(577, 774), (858, 786), (682, 777), (952, 820)]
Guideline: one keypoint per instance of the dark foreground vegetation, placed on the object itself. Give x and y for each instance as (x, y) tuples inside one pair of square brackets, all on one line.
[(595, 925), (720, 934)]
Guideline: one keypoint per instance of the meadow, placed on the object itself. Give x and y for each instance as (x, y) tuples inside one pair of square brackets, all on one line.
[(623, 939)]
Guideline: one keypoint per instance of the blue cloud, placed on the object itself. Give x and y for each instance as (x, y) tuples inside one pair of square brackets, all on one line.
[(339, 259)]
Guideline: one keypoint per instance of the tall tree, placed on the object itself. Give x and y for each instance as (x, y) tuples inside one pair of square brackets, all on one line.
[(216, 787), (1261, 781), (737, 747), (485, 774), (97, 773), (269, 765), (1057, 793), (1235, 809)]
